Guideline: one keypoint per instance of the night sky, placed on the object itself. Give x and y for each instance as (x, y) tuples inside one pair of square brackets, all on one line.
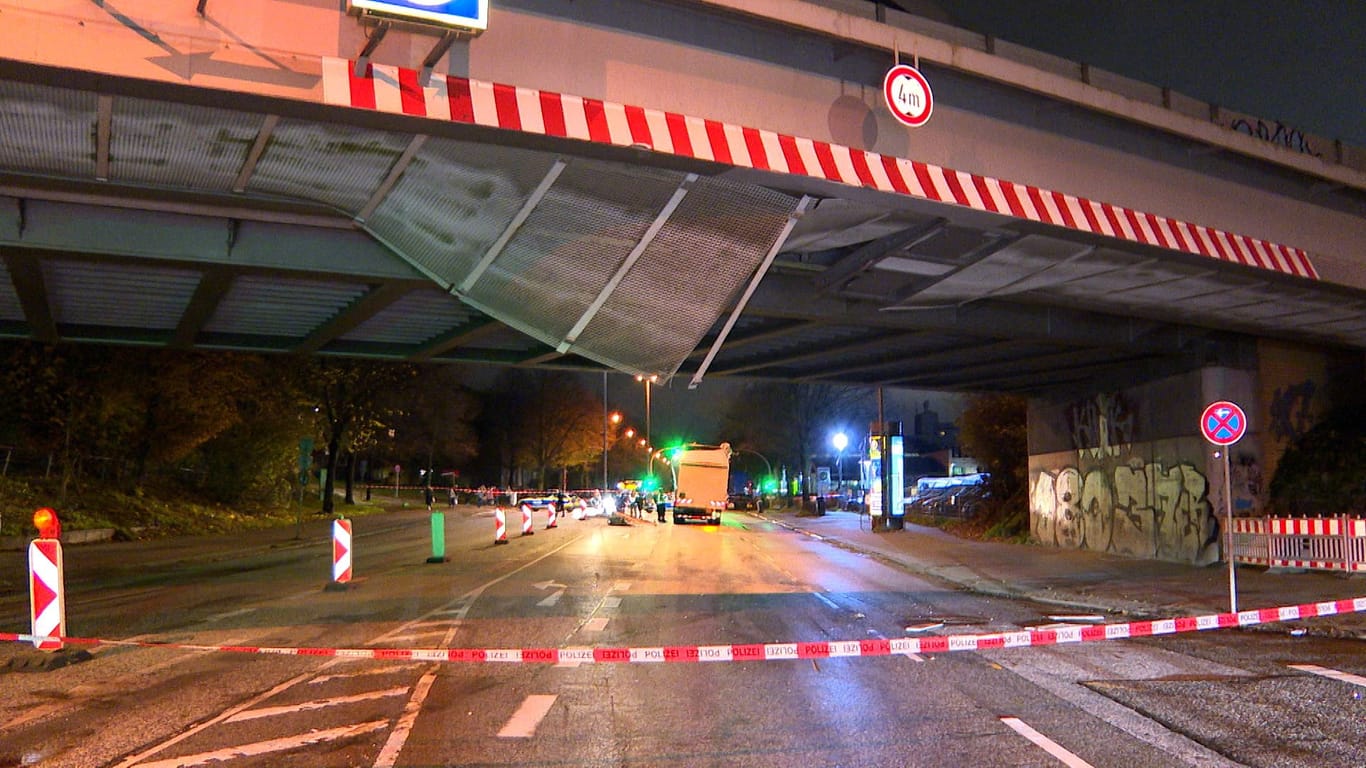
[(1302, 62)]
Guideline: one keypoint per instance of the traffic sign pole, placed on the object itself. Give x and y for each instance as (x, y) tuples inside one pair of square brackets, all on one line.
[(1223, 423), (1228, 524)]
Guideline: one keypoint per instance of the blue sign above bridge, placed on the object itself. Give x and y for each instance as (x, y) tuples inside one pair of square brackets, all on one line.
[(467, 14)]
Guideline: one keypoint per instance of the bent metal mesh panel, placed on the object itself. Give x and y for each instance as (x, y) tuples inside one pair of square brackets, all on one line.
[(574, 242)]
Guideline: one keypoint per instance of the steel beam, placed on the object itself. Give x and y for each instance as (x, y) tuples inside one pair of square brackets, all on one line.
[(214, 284), (753, 286), (360, 310), (27, 276)]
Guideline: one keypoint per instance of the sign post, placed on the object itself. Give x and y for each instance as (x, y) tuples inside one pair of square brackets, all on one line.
[(1223, 423)]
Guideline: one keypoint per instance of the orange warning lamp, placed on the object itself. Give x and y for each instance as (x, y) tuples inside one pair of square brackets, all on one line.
[(45, 520)]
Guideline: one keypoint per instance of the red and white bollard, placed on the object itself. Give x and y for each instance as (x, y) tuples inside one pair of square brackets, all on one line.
[(550, 523), (500, 526), (46, 595), (527, 529), (341, 553)]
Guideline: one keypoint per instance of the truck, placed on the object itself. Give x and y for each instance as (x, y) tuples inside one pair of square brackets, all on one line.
[(703, 482)]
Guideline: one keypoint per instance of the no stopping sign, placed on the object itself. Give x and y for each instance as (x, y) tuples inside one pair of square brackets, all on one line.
[(1223, 423)]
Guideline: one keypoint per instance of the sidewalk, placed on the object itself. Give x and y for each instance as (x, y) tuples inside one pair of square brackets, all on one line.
[(1088, 581)]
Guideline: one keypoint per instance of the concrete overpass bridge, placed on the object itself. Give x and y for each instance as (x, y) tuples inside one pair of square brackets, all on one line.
[(695, 189)]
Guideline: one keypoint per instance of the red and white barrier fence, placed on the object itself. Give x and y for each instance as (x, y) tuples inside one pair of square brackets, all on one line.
[(1023, 638), (1318, 543)]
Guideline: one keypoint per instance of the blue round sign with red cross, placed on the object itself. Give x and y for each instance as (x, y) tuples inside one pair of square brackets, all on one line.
[(1223, 423)]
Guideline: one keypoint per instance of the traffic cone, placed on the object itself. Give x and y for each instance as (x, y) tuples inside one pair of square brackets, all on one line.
[(500, 526)]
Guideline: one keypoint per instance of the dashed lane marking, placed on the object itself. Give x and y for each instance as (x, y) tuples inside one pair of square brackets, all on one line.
[(1046, 744), (596, 624), (528, 716), (1331, 674)]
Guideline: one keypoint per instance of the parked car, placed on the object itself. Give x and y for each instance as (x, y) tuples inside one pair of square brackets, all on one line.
[(742, 501)]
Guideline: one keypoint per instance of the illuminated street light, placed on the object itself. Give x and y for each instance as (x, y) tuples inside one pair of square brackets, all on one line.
[(841, 442)]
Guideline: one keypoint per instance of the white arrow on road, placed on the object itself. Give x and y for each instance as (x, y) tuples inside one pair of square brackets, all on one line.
[(553, 597)]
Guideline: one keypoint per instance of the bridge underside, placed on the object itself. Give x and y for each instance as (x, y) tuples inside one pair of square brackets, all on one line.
[(144, 213)]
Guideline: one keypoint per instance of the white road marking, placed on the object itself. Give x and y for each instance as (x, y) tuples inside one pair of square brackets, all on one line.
[(1331, 674), (229, 614), (527, 717), (622, 586), (596, 624), (1046, 744), (224, 715), (611, 602), (388, 756), (394, 670), (826, 600), (273, 745), (458, 607), (306, 706)]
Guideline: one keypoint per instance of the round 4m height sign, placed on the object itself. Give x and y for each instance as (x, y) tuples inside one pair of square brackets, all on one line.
[(908, 95), (1223, 423)]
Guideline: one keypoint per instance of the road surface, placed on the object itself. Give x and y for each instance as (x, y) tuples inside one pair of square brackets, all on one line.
[(1217, 698)]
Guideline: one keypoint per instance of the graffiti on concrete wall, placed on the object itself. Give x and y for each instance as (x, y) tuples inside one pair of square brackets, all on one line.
[(1107, 497), (1136, 509), (1102, 426), (1280, 134), (1292, 411)]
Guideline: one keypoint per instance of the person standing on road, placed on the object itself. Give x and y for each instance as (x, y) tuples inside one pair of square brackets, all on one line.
[(428, 496)]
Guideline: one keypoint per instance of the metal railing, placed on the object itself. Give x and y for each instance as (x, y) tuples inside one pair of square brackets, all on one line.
[(1315, 543)]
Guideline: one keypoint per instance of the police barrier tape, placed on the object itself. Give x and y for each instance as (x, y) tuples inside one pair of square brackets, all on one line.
[(775, 651)]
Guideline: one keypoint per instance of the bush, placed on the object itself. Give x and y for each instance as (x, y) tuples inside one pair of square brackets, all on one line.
[(1324, 472)]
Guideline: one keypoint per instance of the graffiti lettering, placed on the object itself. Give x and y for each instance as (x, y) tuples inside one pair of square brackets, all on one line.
[(1292, 411), (1102, 426), (1290, 138), (1135, 509)]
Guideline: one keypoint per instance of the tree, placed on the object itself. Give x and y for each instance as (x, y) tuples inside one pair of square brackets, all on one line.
[(1324, 471), (352, 396), (434, 418), (559, 424), (993, 429), (788, 423)]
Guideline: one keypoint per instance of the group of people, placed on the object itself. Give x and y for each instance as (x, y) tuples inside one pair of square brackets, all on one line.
[(429, 496)]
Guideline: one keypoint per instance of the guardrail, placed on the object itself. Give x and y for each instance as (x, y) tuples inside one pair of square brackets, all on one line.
[(1316, 543)]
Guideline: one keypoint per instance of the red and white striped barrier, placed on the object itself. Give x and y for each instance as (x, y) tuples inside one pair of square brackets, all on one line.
[(527, 528), (500, 526), (1318, 543), (1024, 638), (341, 551), (550, 521), (399, 90), (47, 594)]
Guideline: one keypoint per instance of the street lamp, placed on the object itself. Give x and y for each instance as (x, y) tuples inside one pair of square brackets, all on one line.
[(648, 380), (609, 418), (841, 442)]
